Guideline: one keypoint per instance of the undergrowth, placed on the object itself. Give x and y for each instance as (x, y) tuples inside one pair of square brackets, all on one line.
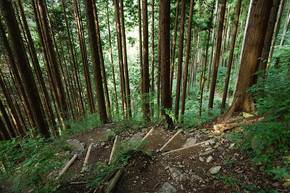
[(101, 171), (27, 163), (268, 141)]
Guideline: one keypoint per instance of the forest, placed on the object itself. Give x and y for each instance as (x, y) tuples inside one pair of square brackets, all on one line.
[(139, 96)]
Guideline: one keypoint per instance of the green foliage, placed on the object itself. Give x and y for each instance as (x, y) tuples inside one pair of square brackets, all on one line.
[(88, 122), (268, 141), (29, 162)]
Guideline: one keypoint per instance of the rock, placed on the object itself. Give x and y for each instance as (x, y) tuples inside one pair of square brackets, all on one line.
[(247, 115), (167, 188), (198, 178), (201, 159), (176, 174), (190, 141), (232, 146), (215, 169), (76, 145), (209, 159), (137, 136), (206, 152)]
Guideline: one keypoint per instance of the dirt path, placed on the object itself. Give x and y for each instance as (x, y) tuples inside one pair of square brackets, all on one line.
[(189, 162)]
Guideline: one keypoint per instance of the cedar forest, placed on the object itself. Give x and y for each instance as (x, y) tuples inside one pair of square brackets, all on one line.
[(133, 96)]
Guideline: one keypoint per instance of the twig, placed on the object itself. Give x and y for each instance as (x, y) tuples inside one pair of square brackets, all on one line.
[(69, 163), (113, 149), (188, 147), (87, 158), (170, 140)]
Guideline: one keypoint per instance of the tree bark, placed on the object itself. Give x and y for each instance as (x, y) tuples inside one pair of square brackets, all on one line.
[(173, 45), (180, 59), (112, 61), (251, 53), (96, 60), (164, 30), (216, 59), (145, 78), (231, 54), (84, 57), (24, 69), (188, 49)]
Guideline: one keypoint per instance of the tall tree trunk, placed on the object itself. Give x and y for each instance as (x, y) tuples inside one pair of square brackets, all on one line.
[(145, 65), (188, 49), (216, 59), (276, 28), (269, 36), (173, 44), (36, 65), (74, 60), (24, 68), (125, 61), (9, 123), (164, 30), (112, 60), (180, 59), (152, 56), (231, 54), (251, 53), (84, 57), (50, 54), (96, 60), (120, 58)]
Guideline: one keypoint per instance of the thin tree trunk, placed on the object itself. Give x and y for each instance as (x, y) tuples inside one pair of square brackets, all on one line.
[(188, 49), (84, 57), (173, 45), (145, 78), (112, 61), (120, 58), (180, 59), (231, 54), (74, 61), (216, 59)]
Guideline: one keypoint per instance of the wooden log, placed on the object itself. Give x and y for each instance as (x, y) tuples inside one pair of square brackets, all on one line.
[(68, 164), (113, 182), (87, 158), (113, 149), (188, 147), (170, 140), (148, 134)]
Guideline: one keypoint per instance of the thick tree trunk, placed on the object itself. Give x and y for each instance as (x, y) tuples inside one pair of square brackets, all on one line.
[(251, 53), (164, 30), (180, 58), (188, 49), (96, 60), (152, 55), (216, 59), (231, 54), (145, 78), (24, 69)]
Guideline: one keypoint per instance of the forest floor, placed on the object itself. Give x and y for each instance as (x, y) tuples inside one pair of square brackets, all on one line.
[(195, 160)]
